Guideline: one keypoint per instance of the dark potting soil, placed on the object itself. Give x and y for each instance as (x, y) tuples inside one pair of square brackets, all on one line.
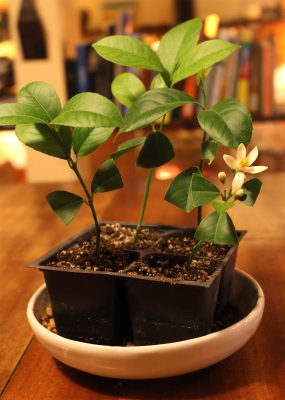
[(118, 254)]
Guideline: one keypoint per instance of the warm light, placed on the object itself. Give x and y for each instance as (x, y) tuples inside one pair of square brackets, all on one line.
[(155, 45), (211, 25), (279, 84), (11, 150), (167, 172), (7, 49)]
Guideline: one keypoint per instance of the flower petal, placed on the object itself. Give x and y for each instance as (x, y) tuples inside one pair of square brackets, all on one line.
[(252, 156), (255, 170), (241, 151), (238, 181), (230, 161)]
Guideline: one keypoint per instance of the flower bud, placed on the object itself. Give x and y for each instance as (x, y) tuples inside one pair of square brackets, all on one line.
[(222, 176), (239, 193)]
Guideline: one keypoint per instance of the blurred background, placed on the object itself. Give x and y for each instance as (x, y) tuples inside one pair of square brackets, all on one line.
[(51, 41)]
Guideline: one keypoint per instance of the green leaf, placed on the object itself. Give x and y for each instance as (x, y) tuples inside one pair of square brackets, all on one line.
[(89, 110), (179, 191), (209, 150), (107, 178), (65, 204), (45, 139), (203, 191), (202, 57), (126, 87), (176, 44), (251, 191), (190, 189), (228, 123), (128, 51), (86, 140), (158, 82), (222, 206), (43, 98), (127, 146), (217, 228), (152, 105), (14, 113), (157, 150)]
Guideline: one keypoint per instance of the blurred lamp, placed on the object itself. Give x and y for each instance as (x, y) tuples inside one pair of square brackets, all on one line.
[(211, 25)]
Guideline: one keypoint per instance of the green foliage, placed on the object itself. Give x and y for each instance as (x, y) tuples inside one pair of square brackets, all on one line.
[(107, 178), (158, 82), (87, 140), (156, 151), (128, 51), (127, 146), (43, 138), (65, 204), (89, 110), (228, 123), (209, 150), (126, 87), (251, 191), (217, 228), (152, 105), (190, 190)]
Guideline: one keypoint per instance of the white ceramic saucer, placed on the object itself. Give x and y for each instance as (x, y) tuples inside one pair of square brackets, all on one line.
[(156, 361)]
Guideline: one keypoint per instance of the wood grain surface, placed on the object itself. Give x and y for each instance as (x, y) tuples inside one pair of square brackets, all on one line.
[(28, 228)]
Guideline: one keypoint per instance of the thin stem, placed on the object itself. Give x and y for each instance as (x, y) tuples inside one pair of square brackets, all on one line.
[(89, 196), (146, 194), (194, 251), (201, 163)]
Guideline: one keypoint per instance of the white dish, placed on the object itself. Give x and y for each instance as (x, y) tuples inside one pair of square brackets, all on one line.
[(156, 361)]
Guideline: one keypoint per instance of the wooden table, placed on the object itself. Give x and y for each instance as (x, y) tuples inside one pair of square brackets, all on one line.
[(28, 228)]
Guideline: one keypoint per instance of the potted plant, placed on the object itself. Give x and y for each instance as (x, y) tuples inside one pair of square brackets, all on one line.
[(140, 289)]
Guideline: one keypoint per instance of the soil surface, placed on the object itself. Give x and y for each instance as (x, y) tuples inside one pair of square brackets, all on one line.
[(119, 254)]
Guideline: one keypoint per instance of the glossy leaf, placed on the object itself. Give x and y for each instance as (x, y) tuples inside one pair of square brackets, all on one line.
[(128, 51), (209, 150), (45, 139), (179, 193), (64, 204), (87, 140), (127, 146), (43, 97), (217, 228), (203, 191), (228, 123), (156, 151), (89, 110), (127, 87), (190, 190), (251, 191), (15, 113), (203, 56), (107, 178), (152, 105), (176, 44)]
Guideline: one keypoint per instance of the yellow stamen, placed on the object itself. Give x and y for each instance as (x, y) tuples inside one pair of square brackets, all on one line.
[(244, 162)]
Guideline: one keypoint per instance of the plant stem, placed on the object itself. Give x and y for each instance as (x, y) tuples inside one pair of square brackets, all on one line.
[(73, 166), (146, 193), (194, 251), (201, 164)]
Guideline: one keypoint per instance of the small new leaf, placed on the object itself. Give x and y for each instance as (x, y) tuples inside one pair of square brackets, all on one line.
[(156, 151), (217, 228), (64, 204), (127, 87), (221, 206), (251, 191), (127, 146), (107, 178), (209, 150)]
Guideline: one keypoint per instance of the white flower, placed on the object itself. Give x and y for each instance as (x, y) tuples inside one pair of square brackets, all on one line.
[(237, 182), (242, 162)]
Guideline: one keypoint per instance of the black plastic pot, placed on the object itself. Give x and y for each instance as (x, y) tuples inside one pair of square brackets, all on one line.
[(113, 308)]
